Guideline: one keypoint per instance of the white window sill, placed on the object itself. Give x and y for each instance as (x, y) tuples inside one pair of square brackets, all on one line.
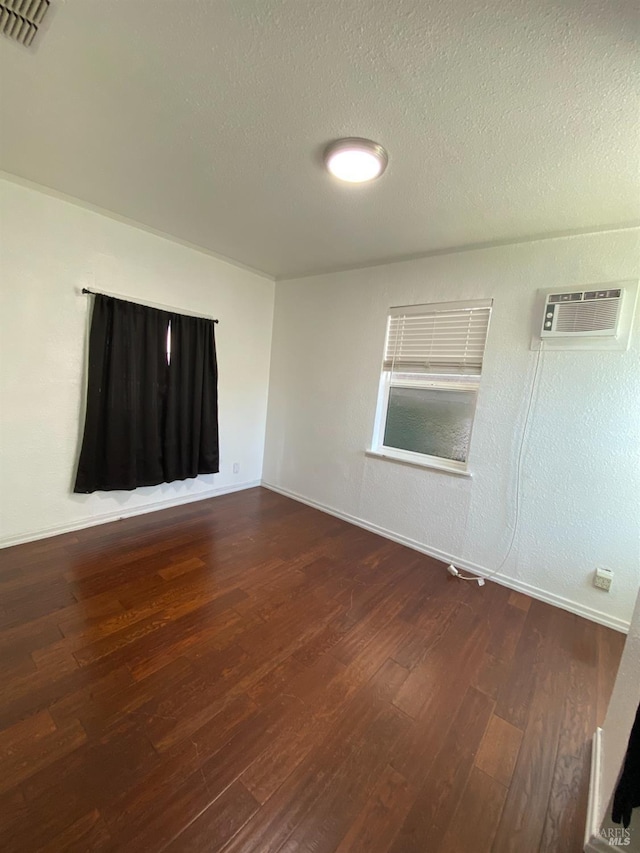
[(420, 461)]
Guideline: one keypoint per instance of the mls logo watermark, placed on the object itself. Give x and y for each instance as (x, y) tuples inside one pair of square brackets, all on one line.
[(616, 837)]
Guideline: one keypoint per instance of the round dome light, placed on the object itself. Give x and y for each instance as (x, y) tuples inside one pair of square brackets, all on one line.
[(355, 160)]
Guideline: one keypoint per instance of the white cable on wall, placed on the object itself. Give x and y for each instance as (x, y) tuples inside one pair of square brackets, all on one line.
[(516, 521)]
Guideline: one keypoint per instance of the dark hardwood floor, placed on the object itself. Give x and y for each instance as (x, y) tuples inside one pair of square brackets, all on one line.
[(248, 674)]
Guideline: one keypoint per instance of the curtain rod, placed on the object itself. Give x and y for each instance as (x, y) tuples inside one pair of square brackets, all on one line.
[(159, 305)]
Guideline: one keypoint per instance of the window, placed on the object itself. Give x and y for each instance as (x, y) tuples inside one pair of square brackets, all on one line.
[(429, 384)]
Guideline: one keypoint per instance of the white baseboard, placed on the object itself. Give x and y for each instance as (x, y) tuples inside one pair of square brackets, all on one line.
[(512, 583), (117, 514), (596, 844)]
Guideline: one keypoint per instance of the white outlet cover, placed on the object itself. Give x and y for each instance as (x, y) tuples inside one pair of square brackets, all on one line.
[(603, 579)]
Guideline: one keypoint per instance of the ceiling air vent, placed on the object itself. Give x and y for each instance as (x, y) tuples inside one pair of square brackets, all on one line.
[(20, 19)]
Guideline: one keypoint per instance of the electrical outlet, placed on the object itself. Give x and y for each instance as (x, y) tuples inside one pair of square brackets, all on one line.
[(603, 579), (236, 467)]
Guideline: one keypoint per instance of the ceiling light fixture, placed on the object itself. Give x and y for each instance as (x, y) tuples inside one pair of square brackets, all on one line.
[(355, 160)]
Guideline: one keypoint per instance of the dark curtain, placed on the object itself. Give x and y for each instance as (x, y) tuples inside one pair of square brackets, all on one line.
[(627, 794), (147, 421), (122, 445), (191, 424)]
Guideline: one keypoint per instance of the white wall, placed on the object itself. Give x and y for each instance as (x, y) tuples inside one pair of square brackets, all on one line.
[(50, 250), (621, 712), (581, 477), (616, 729)]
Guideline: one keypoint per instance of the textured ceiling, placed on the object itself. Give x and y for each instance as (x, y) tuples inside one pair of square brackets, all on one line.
[(205, 119)]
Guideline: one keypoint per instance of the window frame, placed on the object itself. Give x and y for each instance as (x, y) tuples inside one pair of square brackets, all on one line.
[(410, 457)]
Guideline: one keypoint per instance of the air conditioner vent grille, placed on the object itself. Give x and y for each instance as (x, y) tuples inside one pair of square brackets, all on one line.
[(593, 316), (20, 19)]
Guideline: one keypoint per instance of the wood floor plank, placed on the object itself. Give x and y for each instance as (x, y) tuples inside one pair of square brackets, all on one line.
[(498, 751), (174, 715), (218, 823), (491, 675), (23, 734), (107, 698), (504, 641), (250, 675), (468, 634), (567, 804), (570, 787), (296, 798), (528, 664), (150, 799), (475, 820), (17, 766), (431, 813), (175, 570), (14, 811), (87, 833), (95, 772), (523, 818), (165, 819), (323, 827), (378, 823), (310, 723), (518, 599), (28, 637), (33, 600)]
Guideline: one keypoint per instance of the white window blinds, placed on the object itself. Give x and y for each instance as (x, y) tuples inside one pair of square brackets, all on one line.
[(447, 337)]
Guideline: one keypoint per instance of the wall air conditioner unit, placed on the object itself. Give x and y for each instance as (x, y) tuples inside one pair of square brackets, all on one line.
[(585, 317), (582, 313)]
